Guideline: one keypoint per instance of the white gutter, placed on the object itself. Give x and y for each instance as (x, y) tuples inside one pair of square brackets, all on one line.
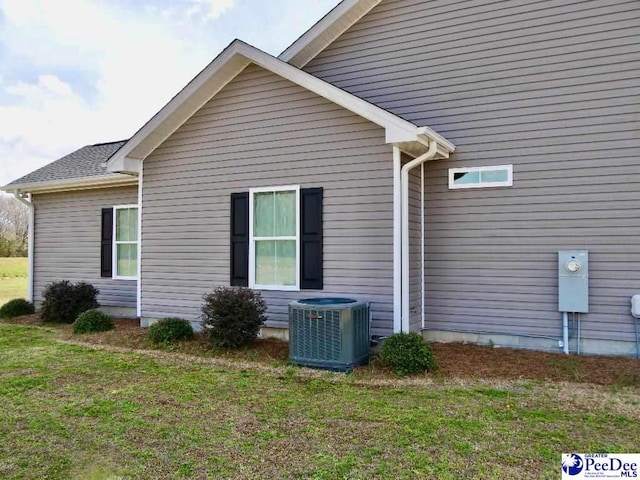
[(84, 183), (30, 241), (431, 153)]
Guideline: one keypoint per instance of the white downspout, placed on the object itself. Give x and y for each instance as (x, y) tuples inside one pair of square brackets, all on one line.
[(30, 241), (433, 149), (397, 240)]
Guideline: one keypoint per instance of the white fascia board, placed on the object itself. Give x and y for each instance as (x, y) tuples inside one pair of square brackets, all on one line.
[(191, 98), (223, 70), (85, 183), (124, 164), (328, 29)]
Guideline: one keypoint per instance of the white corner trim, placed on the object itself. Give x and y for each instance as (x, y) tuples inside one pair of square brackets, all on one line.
[(30, 242), (480, 184), (139, 283), (252, 240), (325, 31), (397, 240), (223, 70)]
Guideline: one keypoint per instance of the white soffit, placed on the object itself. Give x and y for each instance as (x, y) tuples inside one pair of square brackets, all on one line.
[(323, 33), (235, 58)]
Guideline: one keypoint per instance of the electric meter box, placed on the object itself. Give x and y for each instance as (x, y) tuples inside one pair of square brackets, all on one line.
[(573, 281), (635, 306)]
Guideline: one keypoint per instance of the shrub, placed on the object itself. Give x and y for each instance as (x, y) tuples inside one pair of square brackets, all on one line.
[(407, 353), (93, 321), (232, 317), (64, 301), (17, 308), (170, 330)]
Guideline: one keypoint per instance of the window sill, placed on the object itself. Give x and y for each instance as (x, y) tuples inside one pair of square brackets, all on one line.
[(125, 278), (272, 288)]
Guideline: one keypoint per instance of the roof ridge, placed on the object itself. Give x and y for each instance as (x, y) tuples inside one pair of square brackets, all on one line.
[(108, 143)]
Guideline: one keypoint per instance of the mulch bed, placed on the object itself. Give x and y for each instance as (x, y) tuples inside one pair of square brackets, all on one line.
[(455, 360), (472, 361)]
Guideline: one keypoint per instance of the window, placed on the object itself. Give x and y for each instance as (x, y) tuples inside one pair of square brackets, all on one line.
[(481, 177), (274, 238), (125, 244)]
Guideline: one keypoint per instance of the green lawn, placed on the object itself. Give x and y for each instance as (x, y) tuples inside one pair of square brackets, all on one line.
[(70, 411), (13, 279)]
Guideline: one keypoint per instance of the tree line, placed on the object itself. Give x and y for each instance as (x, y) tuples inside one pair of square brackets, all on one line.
[(14, 227)]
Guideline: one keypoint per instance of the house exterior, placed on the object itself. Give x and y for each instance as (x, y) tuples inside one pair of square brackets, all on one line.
[(429, 157)]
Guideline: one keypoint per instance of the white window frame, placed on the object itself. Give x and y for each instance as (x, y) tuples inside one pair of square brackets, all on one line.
[(252, 240), (481, 184), (114, 266)]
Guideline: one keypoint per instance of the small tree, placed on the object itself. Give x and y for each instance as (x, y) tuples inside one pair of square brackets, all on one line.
[(232, 317)]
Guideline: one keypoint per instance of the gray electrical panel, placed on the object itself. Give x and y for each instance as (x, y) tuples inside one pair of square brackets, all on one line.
[(573, 281)]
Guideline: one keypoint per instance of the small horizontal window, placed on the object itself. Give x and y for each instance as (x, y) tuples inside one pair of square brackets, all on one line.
[(481, 177)]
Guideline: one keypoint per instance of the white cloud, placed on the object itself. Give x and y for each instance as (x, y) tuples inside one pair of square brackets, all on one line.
[(212, 9), (76, 72)]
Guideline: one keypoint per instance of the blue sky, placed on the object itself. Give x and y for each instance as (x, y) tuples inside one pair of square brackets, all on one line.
[(75, 72)]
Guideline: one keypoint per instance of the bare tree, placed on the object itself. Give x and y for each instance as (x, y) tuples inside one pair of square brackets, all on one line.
[(14, 225)]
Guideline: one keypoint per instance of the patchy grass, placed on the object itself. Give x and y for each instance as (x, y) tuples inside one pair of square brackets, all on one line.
[(13, 279), (13, 268), (99, 411)]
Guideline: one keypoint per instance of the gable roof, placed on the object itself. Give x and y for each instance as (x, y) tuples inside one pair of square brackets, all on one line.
[(323, 33), (235, 58), (85, 165)]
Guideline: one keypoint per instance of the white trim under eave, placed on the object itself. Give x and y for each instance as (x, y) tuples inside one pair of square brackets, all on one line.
[(84, 183)]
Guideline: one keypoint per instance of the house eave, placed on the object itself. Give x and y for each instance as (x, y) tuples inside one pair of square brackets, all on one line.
[(83, 183), (328, 29), (223, 70)]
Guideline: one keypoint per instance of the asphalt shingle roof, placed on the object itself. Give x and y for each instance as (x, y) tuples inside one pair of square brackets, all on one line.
[(85, 162)]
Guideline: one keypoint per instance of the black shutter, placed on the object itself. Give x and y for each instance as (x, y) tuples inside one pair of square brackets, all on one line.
[(240, 239), (311, 277), (106, 256)]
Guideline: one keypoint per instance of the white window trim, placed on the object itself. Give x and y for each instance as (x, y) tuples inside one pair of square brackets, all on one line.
[(507, 183), (114, 266), (252, 240)]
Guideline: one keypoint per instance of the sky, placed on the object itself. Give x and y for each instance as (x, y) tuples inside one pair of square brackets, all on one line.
[(78, 72)]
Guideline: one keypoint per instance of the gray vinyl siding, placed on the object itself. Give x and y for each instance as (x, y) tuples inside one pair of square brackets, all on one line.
[(68, 242), (548, 86), (415, 250), (261, 131)]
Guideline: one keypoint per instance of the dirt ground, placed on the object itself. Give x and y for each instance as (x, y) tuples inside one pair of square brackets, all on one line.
[(455, 360)]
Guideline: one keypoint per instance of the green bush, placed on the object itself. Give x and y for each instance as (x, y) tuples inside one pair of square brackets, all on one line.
[(17, 308), (93, 321), (232, 317), (170, 330), (64, 301), (407, 353)]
